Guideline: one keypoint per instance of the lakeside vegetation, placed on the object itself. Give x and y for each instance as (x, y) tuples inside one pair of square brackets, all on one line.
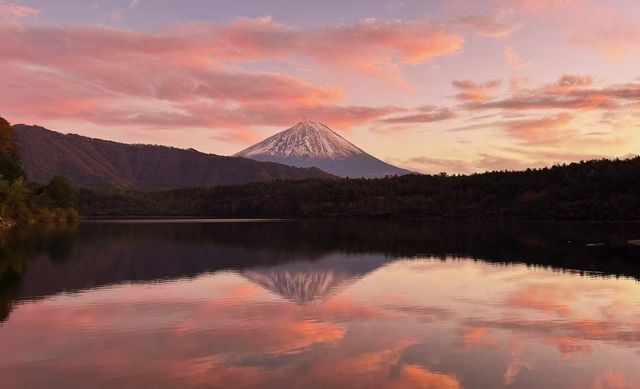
[(593, 190), (21, 201)]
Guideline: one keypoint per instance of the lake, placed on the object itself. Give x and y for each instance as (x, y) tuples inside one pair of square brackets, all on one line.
[(356, 303)]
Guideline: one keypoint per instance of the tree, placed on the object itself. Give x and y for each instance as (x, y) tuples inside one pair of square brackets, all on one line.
[(60, 193), (8, 142), (10, 169)]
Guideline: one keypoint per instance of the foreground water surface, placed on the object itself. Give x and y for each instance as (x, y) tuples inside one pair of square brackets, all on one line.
[(346, 303)]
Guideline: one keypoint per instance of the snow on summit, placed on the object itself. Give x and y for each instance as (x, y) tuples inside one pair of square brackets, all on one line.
[(305, 139), (312, 144)]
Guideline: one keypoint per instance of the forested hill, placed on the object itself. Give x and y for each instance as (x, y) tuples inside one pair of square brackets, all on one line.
[(95, 163), (23, 202), (594, 190)]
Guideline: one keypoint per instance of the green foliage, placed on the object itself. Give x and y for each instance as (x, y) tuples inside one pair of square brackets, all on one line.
[(594, 190), (8, 142), (10, 169), (24, 202), (60, 193), (15, 199), (31, 203)]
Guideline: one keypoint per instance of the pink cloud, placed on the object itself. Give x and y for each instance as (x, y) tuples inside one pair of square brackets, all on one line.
[(612, 379), (115, 77), (470, 91), (13, 13), (191, 75), (569, 347), (569, 83), (500, 24), (427, 114), (514, 59), (476, 336), (536, 6), (603, 29), (371, 46), (570, 92), (546, 129), (517, 362)]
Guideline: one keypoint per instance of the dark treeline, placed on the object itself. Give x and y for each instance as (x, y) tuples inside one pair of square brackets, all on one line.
[(27, 202), (594, 190)]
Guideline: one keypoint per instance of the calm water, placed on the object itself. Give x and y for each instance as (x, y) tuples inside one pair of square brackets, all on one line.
[(304, 304)]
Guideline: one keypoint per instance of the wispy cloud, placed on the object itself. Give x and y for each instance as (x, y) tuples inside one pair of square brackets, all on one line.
[(515, 61), (13, 13), (470, 91)]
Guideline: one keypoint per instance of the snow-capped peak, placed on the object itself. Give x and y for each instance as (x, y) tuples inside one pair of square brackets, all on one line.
[(305, 139)]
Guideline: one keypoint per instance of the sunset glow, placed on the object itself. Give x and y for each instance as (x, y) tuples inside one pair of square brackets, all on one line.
[(456, 86)]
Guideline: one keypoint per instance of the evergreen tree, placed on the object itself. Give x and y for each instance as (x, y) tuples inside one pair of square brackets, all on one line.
[(10, 169), (60, 193)]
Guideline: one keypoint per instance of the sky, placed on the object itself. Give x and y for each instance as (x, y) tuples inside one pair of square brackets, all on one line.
[(456, 86)]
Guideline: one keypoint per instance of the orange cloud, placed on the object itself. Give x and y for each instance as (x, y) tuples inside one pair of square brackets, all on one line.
[(417, 376), (540, 129), (470, 91), (569, 83), (382, 366), (568, 346), (570, 92), (543, 298), (475, 336), (517, 362)]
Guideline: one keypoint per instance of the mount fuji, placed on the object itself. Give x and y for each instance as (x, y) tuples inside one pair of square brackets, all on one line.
[(312, 144)]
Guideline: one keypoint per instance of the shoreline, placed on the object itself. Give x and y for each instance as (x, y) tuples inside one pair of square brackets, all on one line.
[(179, 220), (135, 218)]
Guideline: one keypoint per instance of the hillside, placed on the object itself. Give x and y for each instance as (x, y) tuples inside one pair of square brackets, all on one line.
[(95, 163)]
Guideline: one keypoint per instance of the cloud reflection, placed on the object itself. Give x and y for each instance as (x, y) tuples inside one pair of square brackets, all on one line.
[(411, 323)]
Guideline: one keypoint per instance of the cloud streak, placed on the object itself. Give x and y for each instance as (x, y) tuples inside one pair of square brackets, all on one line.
[(11, 14), (469, 91), (569, 92)]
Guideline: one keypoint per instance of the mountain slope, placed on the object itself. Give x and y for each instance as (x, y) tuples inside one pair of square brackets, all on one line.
[(312, 144), (96, 163)]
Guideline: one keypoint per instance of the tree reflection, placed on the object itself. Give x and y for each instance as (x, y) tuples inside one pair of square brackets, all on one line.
[(18, 246), (303, 261)]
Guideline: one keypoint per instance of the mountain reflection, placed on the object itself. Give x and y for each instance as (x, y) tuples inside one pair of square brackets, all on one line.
[(309, 282), (302, 261)]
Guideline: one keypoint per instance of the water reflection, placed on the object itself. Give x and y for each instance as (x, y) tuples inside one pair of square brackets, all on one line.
[(358, 303)]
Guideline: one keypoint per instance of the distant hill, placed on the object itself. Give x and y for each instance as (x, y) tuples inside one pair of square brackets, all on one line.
[(95, 163), (310, 144)]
